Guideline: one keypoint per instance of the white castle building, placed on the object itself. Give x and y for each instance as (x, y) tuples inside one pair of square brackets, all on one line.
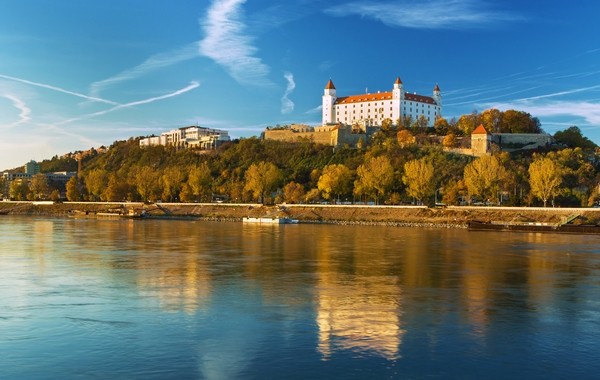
[(372, 109)]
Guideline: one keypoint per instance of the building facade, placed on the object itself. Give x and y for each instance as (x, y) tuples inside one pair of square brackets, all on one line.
[(192, 137), (372, 109)]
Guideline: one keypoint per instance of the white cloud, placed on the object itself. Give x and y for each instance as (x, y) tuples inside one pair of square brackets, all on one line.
[(24, 111), (228, 44), (287, 105), (318, 109), (432, 14), (155, 62)]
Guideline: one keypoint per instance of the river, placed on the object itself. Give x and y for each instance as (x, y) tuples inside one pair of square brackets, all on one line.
[(168, 299)]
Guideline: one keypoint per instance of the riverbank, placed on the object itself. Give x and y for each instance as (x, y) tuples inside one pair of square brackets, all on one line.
[(413, 216)]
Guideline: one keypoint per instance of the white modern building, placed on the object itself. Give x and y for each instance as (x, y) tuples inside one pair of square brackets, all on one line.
[(193, 137), (372, 109)]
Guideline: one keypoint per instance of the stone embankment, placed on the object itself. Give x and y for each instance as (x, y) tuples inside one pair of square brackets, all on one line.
[(405, 216)]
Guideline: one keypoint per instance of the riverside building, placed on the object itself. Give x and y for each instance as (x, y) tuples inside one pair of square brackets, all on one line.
[(372, 109)]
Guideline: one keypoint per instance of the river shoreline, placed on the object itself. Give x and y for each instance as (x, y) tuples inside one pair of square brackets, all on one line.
[(398, 216)]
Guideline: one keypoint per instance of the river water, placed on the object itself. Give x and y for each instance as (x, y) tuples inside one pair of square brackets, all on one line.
[(157, 299)]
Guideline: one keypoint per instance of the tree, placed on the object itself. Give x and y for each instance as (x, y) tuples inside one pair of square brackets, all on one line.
[(116, 189), (467, 123), (419, 178), (441, 126), (19, 190), (96, 181), (492, 120), (544, 178), (573, 138), (147, 183), (39, 186), (449, 140), (171, 180), (3, 191), (200, 180), (293, 192), (335, 180), (405, 138), (73, 191), (375, 178), (483, 177), (519, 122), (261, 179)]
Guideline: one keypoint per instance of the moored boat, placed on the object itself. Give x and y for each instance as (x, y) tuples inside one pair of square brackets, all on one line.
[(588, 229), (269, 220)]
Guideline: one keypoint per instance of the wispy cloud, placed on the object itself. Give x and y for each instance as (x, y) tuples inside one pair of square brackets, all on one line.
[(58, 89), (181, 91), (227, 43), (287, 105), (155, 62), (432, 14), (24, 111), (586, 110)]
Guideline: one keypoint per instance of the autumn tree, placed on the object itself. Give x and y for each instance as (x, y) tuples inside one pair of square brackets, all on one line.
[(147, 183), (171, 181), (544, 178), (336, 179), (73, 191), (467, 123), (39, 186), (200, 180), (419, 178), (449, 140), (375, 178), (96, 181), (19, 190), (441, 126), (492, 120), (293, 192), (483, 177), (572, 138), (262, 178), (405, 138)]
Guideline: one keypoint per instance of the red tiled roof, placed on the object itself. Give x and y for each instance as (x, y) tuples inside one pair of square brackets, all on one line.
[(479, 130), (330, 85), (364, 98), (419, 98)]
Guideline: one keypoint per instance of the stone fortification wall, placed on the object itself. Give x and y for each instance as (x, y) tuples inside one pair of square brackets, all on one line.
[(518, 141), (319, 137)]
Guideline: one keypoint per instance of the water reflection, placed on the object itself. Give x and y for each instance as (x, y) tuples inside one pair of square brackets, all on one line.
[(236, 295)]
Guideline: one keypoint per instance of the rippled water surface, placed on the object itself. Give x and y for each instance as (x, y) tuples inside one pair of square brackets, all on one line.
[(156, 299)]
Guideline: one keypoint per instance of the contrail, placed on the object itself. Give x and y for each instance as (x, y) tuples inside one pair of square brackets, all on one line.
[(54, 88)]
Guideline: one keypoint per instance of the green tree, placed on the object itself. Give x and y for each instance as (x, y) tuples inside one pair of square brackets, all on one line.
[(262, 178), (375, 178), (419, 179), (483, 177), (544, 178), (73, 191), (573, 138), (39, 186), (336, 179)]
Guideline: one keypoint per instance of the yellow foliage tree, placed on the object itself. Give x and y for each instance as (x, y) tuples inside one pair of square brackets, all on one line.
[(335, 180), (419, 178), (405, 138), (483, 177), (545, 178), (262, 178), (375, 178)]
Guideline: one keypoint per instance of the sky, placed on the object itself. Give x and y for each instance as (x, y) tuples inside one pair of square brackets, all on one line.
[(82, 74)]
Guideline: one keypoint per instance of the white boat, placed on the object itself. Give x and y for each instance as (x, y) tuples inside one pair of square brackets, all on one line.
[(267, 220)]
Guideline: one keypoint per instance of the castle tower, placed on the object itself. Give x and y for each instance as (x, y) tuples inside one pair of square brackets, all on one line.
[(397, 98), (329, 98), (437, 96), (481, 141)]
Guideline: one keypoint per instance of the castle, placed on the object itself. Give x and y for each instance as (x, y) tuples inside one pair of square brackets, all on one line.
[(372, 109)]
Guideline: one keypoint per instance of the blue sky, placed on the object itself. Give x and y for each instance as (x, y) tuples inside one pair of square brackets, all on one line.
[(81, 74)]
